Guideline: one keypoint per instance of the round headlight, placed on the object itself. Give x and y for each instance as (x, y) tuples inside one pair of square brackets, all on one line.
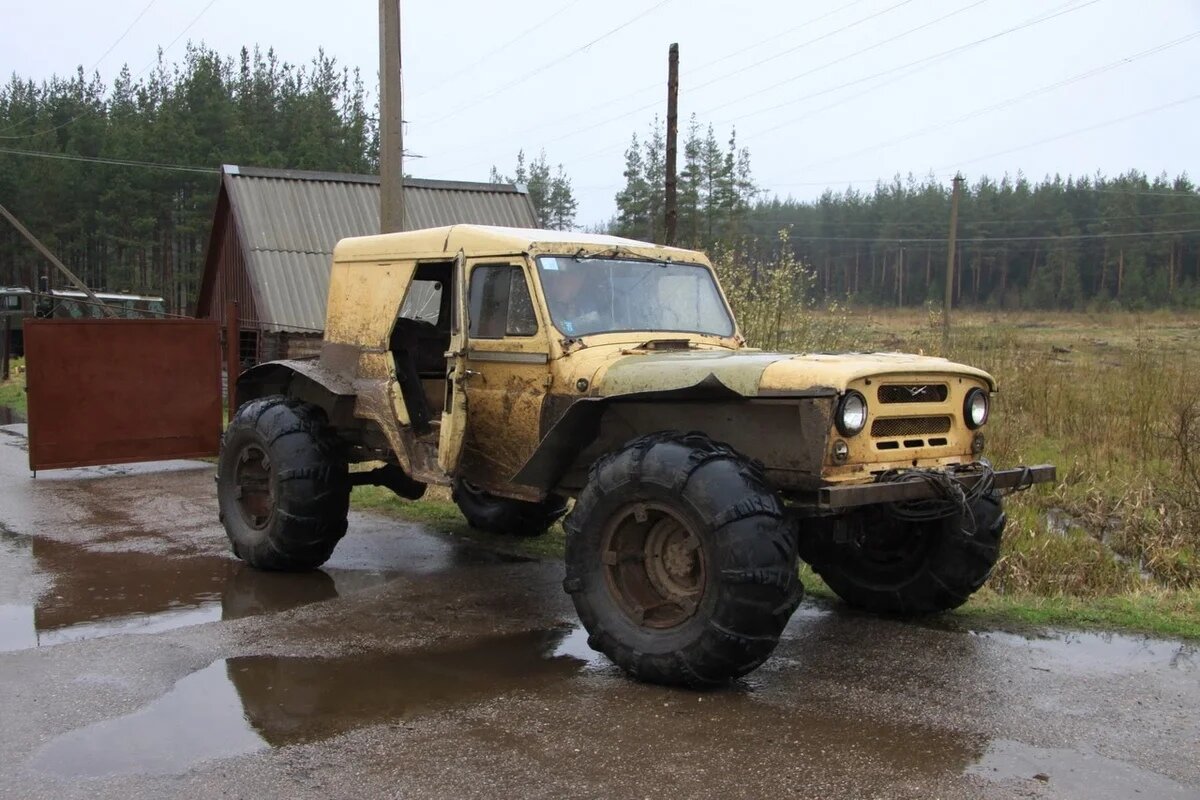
[(975, 409), (851, 415)]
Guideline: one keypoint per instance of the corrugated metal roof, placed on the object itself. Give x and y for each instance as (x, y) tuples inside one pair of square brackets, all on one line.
[(290, 221)]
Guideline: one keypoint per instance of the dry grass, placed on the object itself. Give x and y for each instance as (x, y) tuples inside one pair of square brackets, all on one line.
[(1106, 397)]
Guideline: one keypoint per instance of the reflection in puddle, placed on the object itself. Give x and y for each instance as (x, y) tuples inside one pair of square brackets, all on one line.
[(1102, 652), (239, 705), (1075, 775), (87, 593)]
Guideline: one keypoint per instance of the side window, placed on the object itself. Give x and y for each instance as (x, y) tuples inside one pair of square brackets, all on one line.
[(499, 304), (12, 302), (423, 302)]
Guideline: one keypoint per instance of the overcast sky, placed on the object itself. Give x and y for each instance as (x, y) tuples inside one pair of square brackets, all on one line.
[(823, 94)]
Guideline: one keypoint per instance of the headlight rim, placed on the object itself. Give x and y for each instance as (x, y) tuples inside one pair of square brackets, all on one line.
[(839, 414), (968, 417)]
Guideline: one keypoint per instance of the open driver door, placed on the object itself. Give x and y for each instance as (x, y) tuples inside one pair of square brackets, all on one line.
[(454, 414)]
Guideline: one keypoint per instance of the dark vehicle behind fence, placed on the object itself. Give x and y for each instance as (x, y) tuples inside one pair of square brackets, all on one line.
[(19, 302)]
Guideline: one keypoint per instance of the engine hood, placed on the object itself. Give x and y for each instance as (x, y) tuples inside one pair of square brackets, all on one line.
[(750, 373)]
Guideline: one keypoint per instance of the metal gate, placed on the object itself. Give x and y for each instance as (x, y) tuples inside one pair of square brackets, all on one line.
[(112, 391)]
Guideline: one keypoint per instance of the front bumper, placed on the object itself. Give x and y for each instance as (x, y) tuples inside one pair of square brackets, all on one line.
[(836, 498)]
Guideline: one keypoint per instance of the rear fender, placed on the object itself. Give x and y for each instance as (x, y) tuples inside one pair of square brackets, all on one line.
[(362, 407)]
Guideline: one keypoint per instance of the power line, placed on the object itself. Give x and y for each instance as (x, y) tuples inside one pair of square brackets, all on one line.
[(548, 64), (924, 62), (772, 38), (980, 239), (118, 162), (1078, 131), (121, 38), (921, 63), (591, 111), (1009, 102), (500, 49), (99, 60), (824, 36), (967, 220), (144, 69)]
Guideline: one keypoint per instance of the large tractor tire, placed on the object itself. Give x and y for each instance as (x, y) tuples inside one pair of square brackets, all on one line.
[(680, 562), (502, 515), (282, 485), (890, 566)]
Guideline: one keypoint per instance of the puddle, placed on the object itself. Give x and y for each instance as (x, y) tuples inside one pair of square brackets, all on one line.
[(1075, 775), (1102, 652), (240, 705), (83, 593)]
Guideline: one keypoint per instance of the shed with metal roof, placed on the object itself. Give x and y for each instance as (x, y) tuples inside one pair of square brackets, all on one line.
[(273, 233)]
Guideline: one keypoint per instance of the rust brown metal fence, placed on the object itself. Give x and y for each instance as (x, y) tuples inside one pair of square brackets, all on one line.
[(115, 391)]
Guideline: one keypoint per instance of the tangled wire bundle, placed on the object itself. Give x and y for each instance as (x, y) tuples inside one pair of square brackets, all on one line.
[(949, 495)]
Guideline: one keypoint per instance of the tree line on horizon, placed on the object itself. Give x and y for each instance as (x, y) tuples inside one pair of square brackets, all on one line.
[(1127, 241), (1090, 242)]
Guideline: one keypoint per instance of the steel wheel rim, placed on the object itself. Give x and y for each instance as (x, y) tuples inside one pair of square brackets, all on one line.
[(252, 486), (654, 565)]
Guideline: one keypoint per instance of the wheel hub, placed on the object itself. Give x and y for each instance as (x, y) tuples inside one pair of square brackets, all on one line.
[(252, 477), (655, 565)]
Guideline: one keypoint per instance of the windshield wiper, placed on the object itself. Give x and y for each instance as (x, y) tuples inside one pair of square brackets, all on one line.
[(616, 250)]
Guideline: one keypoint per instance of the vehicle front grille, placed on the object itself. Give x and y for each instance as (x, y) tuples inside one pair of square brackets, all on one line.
[(909, 426), (913, 393)]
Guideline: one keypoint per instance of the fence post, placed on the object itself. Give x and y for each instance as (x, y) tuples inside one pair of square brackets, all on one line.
[(233, 361)]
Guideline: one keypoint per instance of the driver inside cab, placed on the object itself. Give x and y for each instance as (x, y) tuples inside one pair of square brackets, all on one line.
[(575, 304)]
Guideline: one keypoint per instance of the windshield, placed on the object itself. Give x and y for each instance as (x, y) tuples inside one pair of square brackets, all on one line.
[(601, 295)]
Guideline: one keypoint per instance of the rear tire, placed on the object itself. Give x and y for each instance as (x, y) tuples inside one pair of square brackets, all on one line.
[(894, 567), (679, 561), (282, 485), (505, 516)]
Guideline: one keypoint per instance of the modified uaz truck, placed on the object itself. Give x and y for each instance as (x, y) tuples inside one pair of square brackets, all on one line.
[(526, 367)]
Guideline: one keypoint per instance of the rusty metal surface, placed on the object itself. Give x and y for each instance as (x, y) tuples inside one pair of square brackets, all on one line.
[(833, 497), (119, 391)]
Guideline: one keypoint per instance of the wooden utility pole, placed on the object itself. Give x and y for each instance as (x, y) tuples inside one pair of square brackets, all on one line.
[(391, 120), (950, 259), (71, 276), (672, 140)]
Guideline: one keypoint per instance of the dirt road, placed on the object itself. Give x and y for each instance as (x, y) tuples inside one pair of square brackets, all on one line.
[(138, 660)]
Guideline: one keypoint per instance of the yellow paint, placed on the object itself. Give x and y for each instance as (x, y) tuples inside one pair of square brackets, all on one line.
[(493, 423)]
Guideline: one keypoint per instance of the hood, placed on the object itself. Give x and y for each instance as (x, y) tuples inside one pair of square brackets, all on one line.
[(750, 373)]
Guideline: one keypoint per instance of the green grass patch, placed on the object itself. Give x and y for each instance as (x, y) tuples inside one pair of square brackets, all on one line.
[(1164, 613), (436, 510), (12, 391)]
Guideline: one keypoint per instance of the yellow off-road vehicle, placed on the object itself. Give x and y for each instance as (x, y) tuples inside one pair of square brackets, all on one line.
[(525, 367)]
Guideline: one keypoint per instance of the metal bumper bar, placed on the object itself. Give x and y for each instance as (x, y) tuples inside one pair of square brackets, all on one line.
[(866, 494)]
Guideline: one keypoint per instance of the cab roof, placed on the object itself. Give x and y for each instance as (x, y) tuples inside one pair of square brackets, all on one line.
[(489, 239)]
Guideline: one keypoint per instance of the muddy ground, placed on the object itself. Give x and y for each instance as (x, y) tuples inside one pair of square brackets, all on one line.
[(138, 659)]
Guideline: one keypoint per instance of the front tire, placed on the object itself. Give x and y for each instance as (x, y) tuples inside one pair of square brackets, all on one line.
[(679, 561), (282, 485), (502, 515), (890, 566)]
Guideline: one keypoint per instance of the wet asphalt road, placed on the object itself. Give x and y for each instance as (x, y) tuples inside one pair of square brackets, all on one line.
[(138, 659)]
